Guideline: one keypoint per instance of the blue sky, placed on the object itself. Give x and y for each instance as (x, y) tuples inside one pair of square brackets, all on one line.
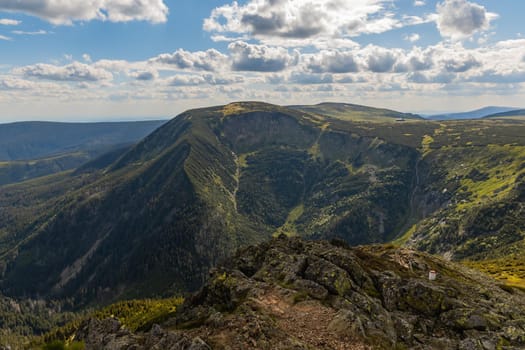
[(128, 59)]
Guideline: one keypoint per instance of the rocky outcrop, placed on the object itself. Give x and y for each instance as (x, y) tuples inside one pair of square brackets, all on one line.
[(110, 335), (294, 294)]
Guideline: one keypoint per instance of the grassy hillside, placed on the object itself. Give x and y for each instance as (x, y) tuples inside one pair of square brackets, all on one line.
[(469, 204), (350, 112), (185, 197)]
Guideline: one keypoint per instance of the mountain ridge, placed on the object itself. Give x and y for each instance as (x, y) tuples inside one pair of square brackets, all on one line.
[(512, 113), (348, 111), (474, 114), (204, 165), (32, 140)]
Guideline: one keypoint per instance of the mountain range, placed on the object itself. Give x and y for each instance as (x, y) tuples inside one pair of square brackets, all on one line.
[(517, 113), (35, 149), (150, 220), (484, 112), (32, 140)]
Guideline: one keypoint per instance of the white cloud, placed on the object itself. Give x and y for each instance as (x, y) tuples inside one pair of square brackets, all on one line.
[(86, 58), (273, 73), (68, 11), (412, 37), (311, 79), (492, 76), (186, 80), (118, 66), (223, 80), (11, 83), (333, 61), (209, 60), (459, 19), (9, 22), (260, 58), (145, 75), (295, 23), (380, 60), (419, 3), (414, 61), (75, 71), (17, 88), (38, 32), (461, 63), (3, 37)]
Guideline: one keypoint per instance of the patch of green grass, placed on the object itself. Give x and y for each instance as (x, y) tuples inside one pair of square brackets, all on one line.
[(426, 142), (60, 345), (289, 228), (315, 151), (140, 314), (500, 164), (405, 237), (243, 159), (135, 315), (508, 270)]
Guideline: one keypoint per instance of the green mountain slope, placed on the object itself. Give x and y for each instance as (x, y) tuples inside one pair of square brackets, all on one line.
[(469, 204), (190, 193), (346, 111), (136, 230)]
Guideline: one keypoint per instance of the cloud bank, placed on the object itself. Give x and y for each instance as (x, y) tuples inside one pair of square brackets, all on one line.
[(62, 12)]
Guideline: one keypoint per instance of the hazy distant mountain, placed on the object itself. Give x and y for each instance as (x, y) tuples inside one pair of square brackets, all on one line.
[(478, 113), (517, 113), (32, 140)]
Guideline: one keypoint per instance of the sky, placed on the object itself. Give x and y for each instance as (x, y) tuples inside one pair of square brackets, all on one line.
[(80, 60)]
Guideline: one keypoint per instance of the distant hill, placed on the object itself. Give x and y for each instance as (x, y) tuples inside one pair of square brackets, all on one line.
[(476, 114), (346, 111), (23, 170), (517, 113), (33, 140)]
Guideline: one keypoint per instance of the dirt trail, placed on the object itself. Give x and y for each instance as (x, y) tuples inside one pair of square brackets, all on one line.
[(308, 321)]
